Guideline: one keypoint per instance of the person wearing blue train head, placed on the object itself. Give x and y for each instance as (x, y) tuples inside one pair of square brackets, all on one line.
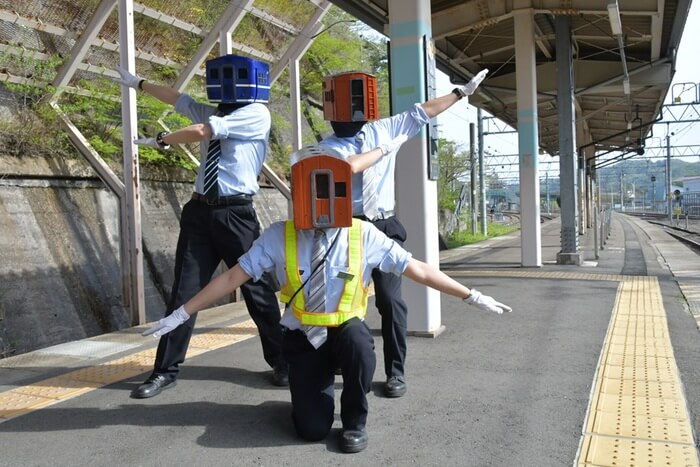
[(324, 259), (351, 105), (219, 223)]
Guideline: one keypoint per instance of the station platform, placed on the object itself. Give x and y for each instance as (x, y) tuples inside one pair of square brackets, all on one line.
[(596, 366)]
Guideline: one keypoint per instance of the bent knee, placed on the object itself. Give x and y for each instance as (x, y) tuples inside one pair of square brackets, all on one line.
[(312, 431)]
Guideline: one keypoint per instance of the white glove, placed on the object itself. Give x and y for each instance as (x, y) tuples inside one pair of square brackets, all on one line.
[(486, 303), (167, 324), (469, 88), (127, 78), (148, 142), (393, 145)]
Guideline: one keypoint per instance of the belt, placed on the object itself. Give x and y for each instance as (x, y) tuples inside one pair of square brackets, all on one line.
[(379, 216), (224, 200)]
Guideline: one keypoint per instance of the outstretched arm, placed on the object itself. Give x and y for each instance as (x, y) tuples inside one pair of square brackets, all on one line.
[(162, 93), (221, 286), (429, 275), (218, 288), (435, 107)]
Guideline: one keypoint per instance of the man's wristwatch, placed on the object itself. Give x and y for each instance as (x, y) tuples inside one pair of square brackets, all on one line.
[(159, 140), (458, 92)]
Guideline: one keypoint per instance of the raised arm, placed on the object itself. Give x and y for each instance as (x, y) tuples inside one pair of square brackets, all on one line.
[(435, 107)]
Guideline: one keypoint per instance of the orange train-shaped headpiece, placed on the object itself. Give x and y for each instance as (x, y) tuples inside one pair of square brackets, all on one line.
[(350, 97), (321, 189)]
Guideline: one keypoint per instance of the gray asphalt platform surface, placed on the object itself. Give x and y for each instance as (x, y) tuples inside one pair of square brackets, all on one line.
[(492, 390)]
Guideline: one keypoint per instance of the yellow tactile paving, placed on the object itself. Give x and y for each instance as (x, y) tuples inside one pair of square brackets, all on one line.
[(665, 373), (634, 426), (61, 387), (224, 336), (619, 452), (637, 413), (22, 400), (648, 406), (13, 403)]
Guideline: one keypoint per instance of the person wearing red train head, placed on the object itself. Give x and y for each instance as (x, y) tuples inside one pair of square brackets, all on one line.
[(351, 104), (219, 223), (323, 259)]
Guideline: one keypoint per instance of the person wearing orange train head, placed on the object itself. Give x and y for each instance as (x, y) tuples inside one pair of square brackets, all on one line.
[(350, 103), (324, 259), (219, 223)]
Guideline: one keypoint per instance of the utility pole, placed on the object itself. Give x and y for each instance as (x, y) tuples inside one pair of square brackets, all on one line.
[(669, 207), (634, 196), (546, 190), (653, 192), (622, 192), (472, 163), (482, 181)]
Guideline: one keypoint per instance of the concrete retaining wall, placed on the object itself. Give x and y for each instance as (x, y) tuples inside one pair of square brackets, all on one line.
[(60, 276)]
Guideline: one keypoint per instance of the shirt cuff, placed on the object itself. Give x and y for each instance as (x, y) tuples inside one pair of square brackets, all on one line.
[(249, 268), (419, 114)]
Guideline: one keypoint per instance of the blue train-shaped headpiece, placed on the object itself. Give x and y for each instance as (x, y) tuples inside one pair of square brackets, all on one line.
[(237, 80)]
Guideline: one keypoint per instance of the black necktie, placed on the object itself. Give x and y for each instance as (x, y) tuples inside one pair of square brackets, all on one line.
[(211, 170)]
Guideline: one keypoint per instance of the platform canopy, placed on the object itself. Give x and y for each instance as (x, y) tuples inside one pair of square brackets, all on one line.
[(622, 69)]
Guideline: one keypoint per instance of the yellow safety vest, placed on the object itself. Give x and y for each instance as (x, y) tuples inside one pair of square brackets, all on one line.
[(353, 301)]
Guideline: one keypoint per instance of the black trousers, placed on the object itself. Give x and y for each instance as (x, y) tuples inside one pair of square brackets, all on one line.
[(392, 308), (208, 235), (350, 347)]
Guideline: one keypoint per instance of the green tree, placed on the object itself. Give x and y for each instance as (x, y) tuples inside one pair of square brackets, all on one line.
[(454, 169)]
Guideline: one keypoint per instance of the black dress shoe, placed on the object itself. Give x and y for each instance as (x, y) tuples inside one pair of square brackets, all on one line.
[(395, 386), (153, 386), (280, 375), (353, 440)]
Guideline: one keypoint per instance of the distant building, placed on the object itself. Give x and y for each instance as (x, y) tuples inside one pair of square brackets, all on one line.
[(691, 184)]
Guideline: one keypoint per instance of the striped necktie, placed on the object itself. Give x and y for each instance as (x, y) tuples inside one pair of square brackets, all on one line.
[(370, 182), (211, 170), (316, 289)]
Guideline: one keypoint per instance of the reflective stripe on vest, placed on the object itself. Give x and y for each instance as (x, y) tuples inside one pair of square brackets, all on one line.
[(353, 301)]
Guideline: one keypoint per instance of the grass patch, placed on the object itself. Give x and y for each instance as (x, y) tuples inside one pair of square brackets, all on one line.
[(465, 237)]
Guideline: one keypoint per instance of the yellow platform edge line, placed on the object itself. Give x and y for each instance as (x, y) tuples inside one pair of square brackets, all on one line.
[(622, 427), (25, 399)]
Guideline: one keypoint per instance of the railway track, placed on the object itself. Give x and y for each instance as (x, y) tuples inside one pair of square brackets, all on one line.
[(689, 237)]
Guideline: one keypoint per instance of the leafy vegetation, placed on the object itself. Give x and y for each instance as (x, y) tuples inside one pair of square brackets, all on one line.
[(465, 237), (454, 172)]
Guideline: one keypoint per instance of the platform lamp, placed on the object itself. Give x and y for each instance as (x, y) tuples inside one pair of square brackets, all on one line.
[(614, 15)]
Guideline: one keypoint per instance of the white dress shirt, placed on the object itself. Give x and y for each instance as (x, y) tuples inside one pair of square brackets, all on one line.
[(268, 254), (243, 134), (372, 135)]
